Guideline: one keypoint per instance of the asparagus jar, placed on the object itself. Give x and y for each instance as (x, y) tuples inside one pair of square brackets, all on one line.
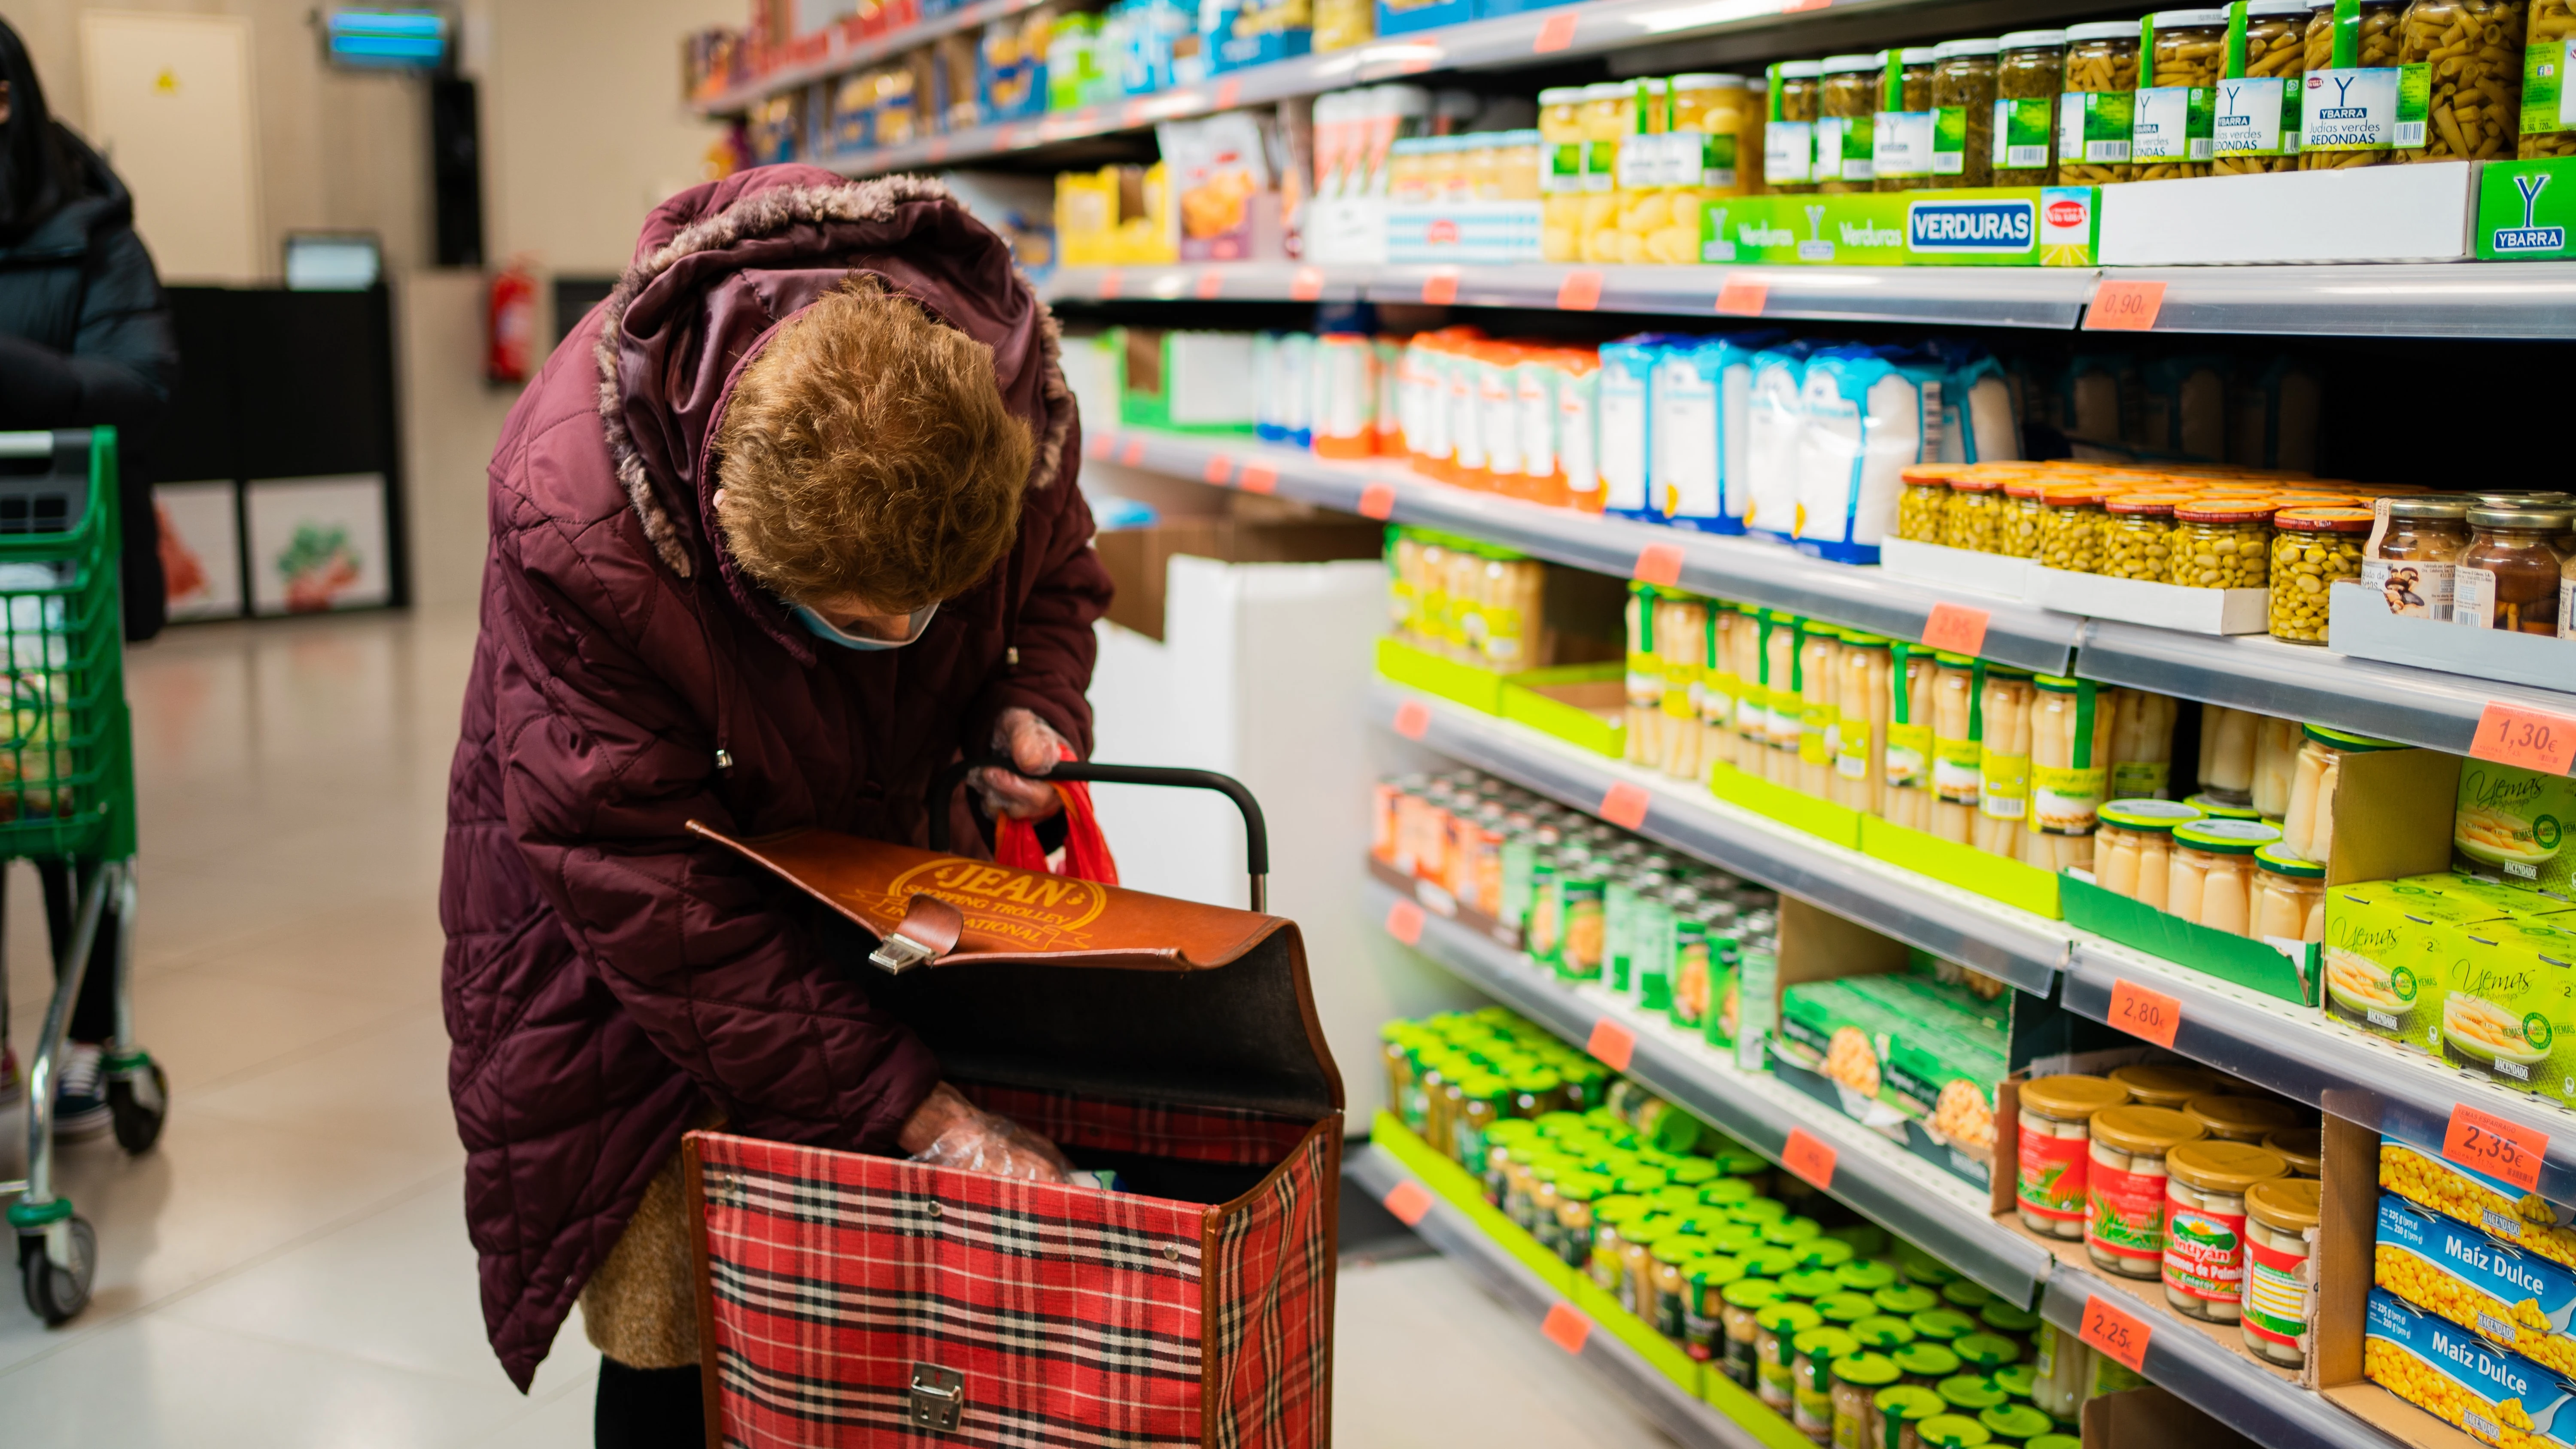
[(2133, 847), (2211, 880), (2030, 72), (2051, 1152), (2095, 107), (1902, 128), (2256, 127), (2307, 831), (2472, 54), (1919, 506), (2276, 759), (2351, 95), (2141, 744), (2070, 757), (2289, 895), (1847, 103), (2226, 1117), (2311, 549), (2227, 756), (1897, 1416), (2070, 527), (1957, 747), (2171, 131), (1963, 113), (2508, 576), (2124, 1226), (2412, 566), (2548, 105), (2204, 1261), (1972, 517), (2221, 544), (2060, 1360), (2137, 536), (2279, 1215), (2005, 705)]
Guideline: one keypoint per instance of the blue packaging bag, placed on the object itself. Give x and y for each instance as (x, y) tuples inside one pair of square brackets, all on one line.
[(1774, 418), (1870, 413)]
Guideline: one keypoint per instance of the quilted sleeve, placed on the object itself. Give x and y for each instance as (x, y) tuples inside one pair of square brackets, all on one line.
[(1067, 593)]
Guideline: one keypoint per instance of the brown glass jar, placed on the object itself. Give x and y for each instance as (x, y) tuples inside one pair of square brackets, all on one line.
[(2376, 50), (1847, 104), (2030, 71), (2413, 566), (2474, 111), (1963, 121), (2097, 103), (2170, 132), (2509, 575), (2257, 125)]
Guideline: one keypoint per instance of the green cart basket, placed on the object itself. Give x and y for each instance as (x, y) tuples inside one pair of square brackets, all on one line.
[(67, 794)]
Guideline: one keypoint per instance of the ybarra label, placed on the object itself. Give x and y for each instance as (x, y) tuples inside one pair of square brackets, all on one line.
[(1971, 226)]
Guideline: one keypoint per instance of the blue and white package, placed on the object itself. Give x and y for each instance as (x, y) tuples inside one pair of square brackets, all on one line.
[(1774, 417), (1870, 413), (1623, 422), (1265, 388), (1681, 433), (1729, 359), (1978, 421)]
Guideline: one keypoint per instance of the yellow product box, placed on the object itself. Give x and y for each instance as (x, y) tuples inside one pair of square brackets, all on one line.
[(2491, 1205), (2515, 1299)]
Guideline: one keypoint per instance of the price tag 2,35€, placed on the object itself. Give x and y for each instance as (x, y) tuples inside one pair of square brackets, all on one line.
[(2484, 1142), (2149, 1015), (2116, 1331)]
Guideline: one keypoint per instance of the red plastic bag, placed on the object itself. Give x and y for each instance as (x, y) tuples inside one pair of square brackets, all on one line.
[(1086, 850)]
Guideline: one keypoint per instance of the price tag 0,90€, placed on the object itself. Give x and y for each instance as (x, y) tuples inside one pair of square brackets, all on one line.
[(2483, 1142), (2116, 1331)]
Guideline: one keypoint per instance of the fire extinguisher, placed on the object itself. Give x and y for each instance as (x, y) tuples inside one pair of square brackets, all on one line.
[(510, 324)]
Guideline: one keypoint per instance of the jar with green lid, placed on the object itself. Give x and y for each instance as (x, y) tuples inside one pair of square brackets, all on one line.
[(2414, 563), (1771, 1263), (1969, 1393), (2311, 549), (1668, 1269), (1633, 1283), (1897, 1415), (1745, 1165), (1842, 1310), (2211, 880), (2259, 116), (2471, 56), (2015, 1424), (1775, 1330), (1972, 516), (2133, 848), (1808, 1284), (1483, 1100), (2007, 1319), (1721, 1192), (1812, 1354), (2223, 544), (2095, 105), (1694, 1173), (1963, 112), (1918, 508), (1942, 1325), (1983, 1353), (1868, 1240), (2055, 1441), (1520, 1191), (1574, 1215), (1558, 1122), (2030, 73), (1831, 1254), (1790, 1230), (1395, 1055), (1904, 1300), (1741, 1302), (1704, 1284), (1602, 1261), (2016, 1378), (1512, 1137), (1883, 1332), (2363, 135), (2017, 535), (1966, 1295), (1953, 1431), (1672, 1197), (1789, 128), (1926, 1363), (2214, 806), (1864, 1275), (1846, 105), (1544, 1177), (2137, 536), (1642, 1179), (2204, 1263), (1536, 1092), (2172, 126), (1855, 1381), (1726, 1236), (1902, 128), (1921, 1269), (2289, 895), (2124, 1232)]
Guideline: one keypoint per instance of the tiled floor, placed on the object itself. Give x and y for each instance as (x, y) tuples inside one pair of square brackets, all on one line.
[(290, 1268)]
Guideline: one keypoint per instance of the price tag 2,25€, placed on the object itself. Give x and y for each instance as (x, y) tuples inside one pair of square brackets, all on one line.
[(2484, 1142), (2116, 1331), (2149, 1015)]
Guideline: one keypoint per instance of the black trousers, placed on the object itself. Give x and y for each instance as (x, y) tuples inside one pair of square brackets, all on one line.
[(648, 1408), (94, 1011)]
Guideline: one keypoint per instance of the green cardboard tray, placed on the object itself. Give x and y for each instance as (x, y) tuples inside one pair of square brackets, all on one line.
[(1964, 866), (2246, 962), (1837, 823), (1523, 699), (1467, 1195), (1464, 683)]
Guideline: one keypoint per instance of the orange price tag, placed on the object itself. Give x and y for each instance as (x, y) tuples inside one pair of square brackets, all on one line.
[(1743, 296), (1408, 1201), (1006, 137), (938, 149), (1378, 501), (1258, 478), (1134, 115), (2149, 1015), (1404, 921), (1210, 285), (1794, 6), (1566, 1327), (2124, 306), (1134, 454), (1101, 446), (1306, 284), (1580, 291), (2512, 735), (2116, 1331), (1112, 282), (1229, 93), (1441, 287), (1658, 563), (1219, 468), (1807, 1155), (1624, 805), (1556, 34), (1611, 1044), (1412, 719), (2484, 1142), (1956, 628)]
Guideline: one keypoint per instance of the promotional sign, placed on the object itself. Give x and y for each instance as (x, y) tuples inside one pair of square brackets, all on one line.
[(2032, 226)]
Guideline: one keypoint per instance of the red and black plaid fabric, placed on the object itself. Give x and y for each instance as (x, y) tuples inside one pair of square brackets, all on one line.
[(1077, 1317), (1156, 1129)]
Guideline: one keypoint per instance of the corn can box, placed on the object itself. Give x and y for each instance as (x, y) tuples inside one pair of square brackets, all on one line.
[(2494, 1395), (2491, 1205), (2388, 948), (2510, 826), (2519, 1300)]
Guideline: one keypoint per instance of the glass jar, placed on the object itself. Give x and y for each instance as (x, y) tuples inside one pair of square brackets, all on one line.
[(2070, 755), (2133, 848), (1820, 652), (1847, 103), (1854, 1381), (2142, 724), (1789, 130), (2279, 1215), (1775, 1332), (1943, 1326), (2070, 527), (1926, 1364), (1963, 113), (1560, 180), (2311, 549), (2003, 761), (1811, 1405), (2151, 1084), (2307, 830), (1957, 747), (1865, 1275), (2137, 536), (2303, 1148), (2210, 881), (2553, 23), (2258, 126), (1897, 1415), (1905, 768), (1953, 1431), (1972, 516), (2204, 1262), (1704, 1284), (1882, 1332), (1669, 1265), (2413, 566), (2276, 759), (2124, 1228), (2226, 1117), (2227, 756), (2289, 895), (1742, 1301), (2014, 1426), (2170, 131), (1904, 1300), (2030, 72), (2371, 45), (2095, 104), (1710, 107), (1609, 116), (2058, 1381), (1645, 205), (2472, 52), (2509, 575), (1749, 144), (1781, 722), (1860, 710), (1902, 129), (2222, 545), (2018, 534), (1919, 506)]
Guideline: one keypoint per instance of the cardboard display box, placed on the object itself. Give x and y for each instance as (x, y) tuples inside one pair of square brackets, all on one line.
[(2358, 623), (2137, 601), (2525, 210), (1581, 704), (1136, 557)]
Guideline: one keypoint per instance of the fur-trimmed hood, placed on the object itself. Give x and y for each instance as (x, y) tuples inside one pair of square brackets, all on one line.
[(717, 270)]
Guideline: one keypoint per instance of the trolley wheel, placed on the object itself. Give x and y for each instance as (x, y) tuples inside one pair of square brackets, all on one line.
[(139, 1108), (55, 1294)]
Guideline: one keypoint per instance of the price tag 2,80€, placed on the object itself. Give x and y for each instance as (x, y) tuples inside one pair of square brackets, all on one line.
[(2484, 1142), (2150, 1015), (2116, 1331)]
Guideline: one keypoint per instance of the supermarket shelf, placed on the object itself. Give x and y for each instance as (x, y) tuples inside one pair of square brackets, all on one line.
[(1444, 1227), (1874, 1176), (1230, 282), (842, 53), (1951, 296), (2456, 299), (1733, 568)]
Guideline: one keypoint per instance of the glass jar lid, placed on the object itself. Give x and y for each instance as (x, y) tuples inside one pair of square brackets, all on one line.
[(1788, 1318), (1847, 64), (2348, 742), (1968, 484), (2230, 1116), (2062, 494), (2228, 1167), (1847, 1309), (1907, 1402), (1941, 1325), (2071, 1096), (1801, 69), (2226, 837), (2277, 859), (1854, 639), (2279, 7), (1708, 83), (2154, 816), (2103, 30), (2007, 1318), (1927, 1360), (2426, 508), (1954, 1431), (1970, 1392), (1867, 1370), (2289, 1204), (2301, 1147), (1716, 1270), (2016, 1421), (1985, 45), (1906, 1299), (1932, 474), (2033, 39), (1677, 1248), (2017, 1379), (1961, 1293), (2224, 510), (1808, 1283), (1986, 1352), (1827, 1343), (1953, 661), (2069, 1441), (1884, 1332), (2155, 504), (2325, 520), (2154, 1085), (1918, 55), (2217, 809), (2150, 1130), (1772, 1263), (2184, 19), (1865, 1276), (2520, 520), (2025, 488), (1752, 1294)]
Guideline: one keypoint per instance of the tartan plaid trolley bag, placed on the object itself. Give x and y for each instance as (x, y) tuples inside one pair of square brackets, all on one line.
[(847, 1299)]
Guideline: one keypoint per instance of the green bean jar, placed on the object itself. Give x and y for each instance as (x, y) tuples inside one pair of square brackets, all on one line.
[(1963, 113), (2472, 55), (2257, 125), (2171, 131), (2363, 134), (2097, 104), (2030, 72), (2311, 549)]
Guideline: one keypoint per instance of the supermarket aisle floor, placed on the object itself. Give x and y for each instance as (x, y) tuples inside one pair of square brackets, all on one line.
[(290, 1267)]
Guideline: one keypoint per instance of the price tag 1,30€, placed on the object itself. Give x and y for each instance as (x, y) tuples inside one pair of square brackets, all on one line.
[(2484, 1142), (2116, 1331), (2150, 1015), (2511, 735)]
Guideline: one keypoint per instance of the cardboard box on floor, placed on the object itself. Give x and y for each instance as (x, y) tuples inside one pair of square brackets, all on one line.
[(1136, 557), (2151, 1418)]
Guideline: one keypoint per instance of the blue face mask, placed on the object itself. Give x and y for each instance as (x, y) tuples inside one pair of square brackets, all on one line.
[(825, 629)]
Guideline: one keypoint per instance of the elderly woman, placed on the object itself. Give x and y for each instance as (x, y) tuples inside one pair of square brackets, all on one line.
[(785, 526)]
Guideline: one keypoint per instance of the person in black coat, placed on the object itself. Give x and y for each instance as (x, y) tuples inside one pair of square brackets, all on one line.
[(85, 341)]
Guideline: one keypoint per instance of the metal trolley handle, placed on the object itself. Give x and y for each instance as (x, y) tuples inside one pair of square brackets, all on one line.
[(1256, 834)]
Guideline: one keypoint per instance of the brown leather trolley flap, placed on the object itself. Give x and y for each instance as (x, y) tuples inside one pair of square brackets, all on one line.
[(1045, 981)]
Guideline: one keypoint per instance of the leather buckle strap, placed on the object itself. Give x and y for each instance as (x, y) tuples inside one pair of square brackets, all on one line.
[(928, 931)]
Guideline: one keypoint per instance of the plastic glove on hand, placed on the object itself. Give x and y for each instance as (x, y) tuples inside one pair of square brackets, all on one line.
[(946, 1130), (1035, 747)]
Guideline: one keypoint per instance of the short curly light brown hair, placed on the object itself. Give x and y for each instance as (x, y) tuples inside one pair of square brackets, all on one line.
[(867, 453)]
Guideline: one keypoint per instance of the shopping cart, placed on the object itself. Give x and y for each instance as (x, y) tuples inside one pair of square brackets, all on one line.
[(67, 794), (847, 1299)]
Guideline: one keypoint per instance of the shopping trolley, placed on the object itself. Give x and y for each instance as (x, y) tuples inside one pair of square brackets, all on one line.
[(848, 1299), (67, 794)]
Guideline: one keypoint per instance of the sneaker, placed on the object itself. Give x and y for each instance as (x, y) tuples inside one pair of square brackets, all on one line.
[(80, 1099), (12, 1086)]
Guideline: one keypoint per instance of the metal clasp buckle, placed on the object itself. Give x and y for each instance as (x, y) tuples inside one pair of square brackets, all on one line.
[(938, 1396), (898, 953)]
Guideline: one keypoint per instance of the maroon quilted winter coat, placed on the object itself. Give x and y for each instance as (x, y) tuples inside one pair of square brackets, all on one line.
[(605, 975)]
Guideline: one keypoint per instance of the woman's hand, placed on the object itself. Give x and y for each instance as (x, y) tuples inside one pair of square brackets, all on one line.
[(1035, 747), (946, 1130)]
